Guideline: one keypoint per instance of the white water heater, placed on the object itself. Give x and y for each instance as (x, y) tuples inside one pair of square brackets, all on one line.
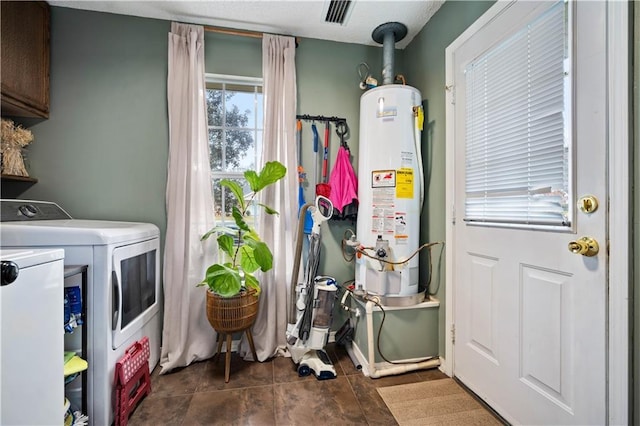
[(389, 190)]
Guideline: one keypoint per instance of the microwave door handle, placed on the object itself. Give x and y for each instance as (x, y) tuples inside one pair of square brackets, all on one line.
[(116, 304)]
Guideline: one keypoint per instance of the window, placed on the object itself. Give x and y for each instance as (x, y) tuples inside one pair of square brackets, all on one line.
[(518, 136), (234, 115)]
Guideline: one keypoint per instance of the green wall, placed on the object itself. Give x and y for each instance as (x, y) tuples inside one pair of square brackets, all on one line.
[(328, 81), (425, 58), (232, 55), (102, 154)]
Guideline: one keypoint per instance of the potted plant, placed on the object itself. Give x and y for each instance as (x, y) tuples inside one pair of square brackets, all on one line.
[(233, 289)]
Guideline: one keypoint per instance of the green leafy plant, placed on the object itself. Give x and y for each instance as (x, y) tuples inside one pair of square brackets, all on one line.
[(245, 251)]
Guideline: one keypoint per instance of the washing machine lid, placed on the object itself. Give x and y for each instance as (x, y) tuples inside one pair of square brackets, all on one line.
[(26, 258), (38, 223)]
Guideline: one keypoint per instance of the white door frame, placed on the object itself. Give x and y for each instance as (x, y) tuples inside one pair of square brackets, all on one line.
[(618, 187)]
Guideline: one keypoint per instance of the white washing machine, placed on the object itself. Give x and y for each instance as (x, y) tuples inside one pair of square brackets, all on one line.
[(123, 284), (31, 343)]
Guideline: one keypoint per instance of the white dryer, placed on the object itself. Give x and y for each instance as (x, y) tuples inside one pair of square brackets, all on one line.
[(123, 285)]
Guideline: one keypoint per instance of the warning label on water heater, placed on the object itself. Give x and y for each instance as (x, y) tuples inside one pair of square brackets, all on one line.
[(401, 236), (404, 183), (382, 220), (383, 178), (406, 158)]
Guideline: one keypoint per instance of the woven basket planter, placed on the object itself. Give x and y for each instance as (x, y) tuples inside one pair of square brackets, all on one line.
[(231, 314)]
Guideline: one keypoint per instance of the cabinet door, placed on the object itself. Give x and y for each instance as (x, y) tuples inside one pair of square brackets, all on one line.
[(25, 58)]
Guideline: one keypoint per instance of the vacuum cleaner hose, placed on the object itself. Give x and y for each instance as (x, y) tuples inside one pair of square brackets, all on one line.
[(296, 263)]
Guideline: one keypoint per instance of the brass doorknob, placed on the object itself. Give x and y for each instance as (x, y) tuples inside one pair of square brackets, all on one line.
[(585, 246)]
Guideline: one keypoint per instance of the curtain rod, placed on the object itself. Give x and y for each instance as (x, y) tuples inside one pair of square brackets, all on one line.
[(230, 31), (241, 33)]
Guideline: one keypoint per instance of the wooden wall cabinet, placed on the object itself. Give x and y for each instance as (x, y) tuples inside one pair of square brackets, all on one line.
[(25, 50)]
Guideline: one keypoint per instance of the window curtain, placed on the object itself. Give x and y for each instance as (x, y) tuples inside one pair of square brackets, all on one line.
[(187, 335), (278, 231)]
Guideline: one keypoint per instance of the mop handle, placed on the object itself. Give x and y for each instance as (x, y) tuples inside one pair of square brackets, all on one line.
[(326, 152), (299, 141), (314, 129)]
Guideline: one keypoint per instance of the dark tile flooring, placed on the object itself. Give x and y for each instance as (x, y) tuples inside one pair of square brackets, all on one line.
[(269, 393)]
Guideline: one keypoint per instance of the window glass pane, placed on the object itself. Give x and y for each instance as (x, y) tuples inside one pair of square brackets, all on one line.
[(258, 144), (234, 111), (217, 200), (260, 110), (240, 109), (215, 149), (214, 107), (225, 201), (240, 150)]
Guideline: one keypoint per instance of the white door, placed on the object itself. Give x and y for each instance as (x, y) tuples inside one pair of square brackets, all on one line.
[(529, 314)]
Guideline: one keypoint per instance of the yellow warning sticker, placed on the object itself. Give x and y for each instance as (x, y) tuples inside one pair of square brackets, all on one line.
[(404, 183)]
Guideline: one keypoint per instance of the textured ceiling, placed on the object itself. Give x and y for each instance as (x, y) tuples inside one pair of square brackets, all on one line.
[(303, 18)]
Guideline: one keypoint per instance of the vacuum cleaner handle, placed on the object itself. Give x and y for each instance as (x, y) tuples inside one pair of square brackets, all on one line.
[(314, 130), (322, 211)]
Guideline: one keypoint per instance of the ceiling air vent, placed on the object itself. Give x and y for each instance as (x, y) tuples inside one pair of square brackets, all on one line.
[(337, 11)]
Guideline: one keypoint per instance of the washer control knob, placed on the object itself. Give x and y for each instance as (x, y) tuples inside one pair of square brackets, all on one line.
[(9, 272), (28, 210)]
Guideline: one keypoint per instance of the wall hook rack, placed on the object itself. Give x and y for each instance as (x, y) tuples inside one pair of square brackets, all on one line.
[(320, 118)]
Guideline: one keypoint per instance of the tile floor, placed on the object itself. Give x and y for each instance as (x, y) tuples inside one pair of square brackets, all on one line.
[(269, 393)]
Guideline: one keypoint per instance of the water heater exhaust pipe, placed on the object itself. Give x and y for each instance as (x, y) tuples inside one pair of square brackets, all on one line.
[(387, 35)]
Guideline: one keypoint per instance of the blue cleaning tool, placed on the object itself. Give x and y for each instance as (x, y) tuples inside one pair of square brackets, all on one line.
[(301, 173), (308, 221)]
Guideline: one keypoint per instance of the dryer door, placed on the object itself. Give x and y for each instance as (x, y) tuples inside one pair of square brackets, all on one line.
[(135, 288)]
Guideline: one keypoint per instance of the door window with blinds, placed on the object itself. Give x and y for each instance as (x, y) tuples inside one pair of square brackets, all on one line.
[(518, 134)]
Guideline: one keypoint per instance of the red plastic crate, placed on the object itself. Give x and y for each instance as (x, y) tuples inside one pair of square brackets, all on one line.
[(132, 379)]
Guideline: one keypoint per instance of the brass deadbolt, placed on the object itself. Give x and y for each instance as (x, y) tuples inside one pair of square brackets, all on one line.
[(588, 204), (585, 246)]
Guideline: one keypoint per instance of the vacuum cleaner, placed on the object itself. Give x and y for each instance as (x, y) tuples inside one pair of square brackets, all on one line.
[(311, 301)]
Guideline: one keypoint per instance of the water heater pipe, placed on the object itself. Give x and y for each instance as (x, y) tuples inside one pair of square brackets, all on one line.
[(418, 144), (375, 373), (388, 57), (388, 34)]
